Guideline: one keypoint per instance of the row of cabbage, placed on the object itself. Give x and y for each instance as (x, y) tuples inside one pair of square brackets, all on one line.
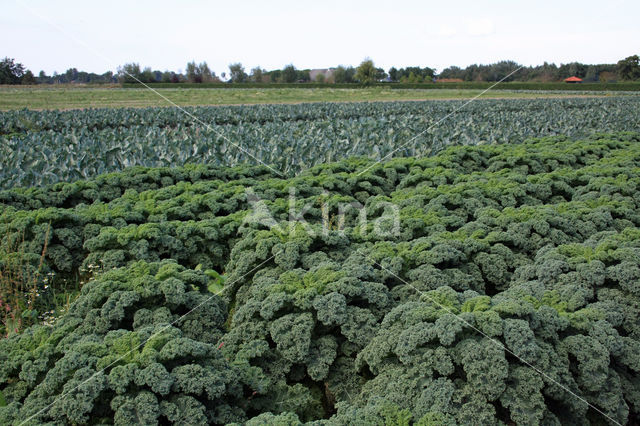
[(26, 121), (45, 147)]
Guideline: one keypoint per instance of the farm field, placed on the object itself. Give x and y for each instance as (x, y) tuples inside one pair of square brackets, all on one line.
[(325, 263), (491, 284), (45, 147), (113, 97)]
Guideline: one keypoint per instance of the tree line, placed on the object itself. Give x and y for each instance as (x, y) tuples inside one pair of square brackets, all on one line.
[(627, 69)]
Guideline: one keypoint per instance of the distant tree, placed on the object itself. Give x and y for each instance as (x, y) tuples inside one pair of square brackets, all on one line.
[(193, 73), (344, 74), (607, 76), (206, 73), (43, 78), (256, 75), (198, 73), (500, 70), (415, 74), (393, 74), (572, 69), (380, 74), (303, 76), (544, 73), (147, 75), (428, 73), (237, 74), (71, 75), (170, 77), (289, 74), (275, 76), (108, 77), (339, 74), (10, 71), (129, 73), (320, 78), (578, 69), (451, 72), (366, 72), (82, 77), (475, 72), (550, 71), (629, 68), (592, 73), (28, 78)]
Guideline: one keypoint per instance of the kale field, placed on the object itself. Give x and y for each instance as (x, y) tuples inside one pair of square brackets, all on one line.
[(489, 273)]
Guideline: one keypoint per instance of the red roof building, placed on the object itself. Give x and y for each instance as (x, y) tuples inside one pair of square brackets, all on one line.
[(573, 80)]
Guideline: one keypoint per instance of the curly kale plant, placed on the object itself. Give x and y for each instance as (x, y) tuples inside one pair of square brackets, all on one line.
[(139, 346), (486, 285)]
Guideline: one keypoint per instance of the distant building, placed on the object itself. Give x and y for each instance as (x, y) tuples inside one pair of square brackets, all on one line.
[(326, 72), (573, 79)]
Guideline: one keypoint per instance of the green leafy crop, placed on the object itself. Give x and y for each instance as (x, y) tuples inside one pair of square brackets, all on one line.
[(509, 292), (44, 147)]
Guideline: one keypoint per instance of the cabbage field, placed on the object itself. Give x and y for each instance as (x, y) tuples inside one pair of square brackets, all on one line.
[(48, 146), (488, 274)]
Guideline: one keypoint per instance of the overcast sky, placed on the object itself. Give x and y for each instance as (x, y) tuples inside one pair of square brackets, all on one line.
[(100, 36)]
